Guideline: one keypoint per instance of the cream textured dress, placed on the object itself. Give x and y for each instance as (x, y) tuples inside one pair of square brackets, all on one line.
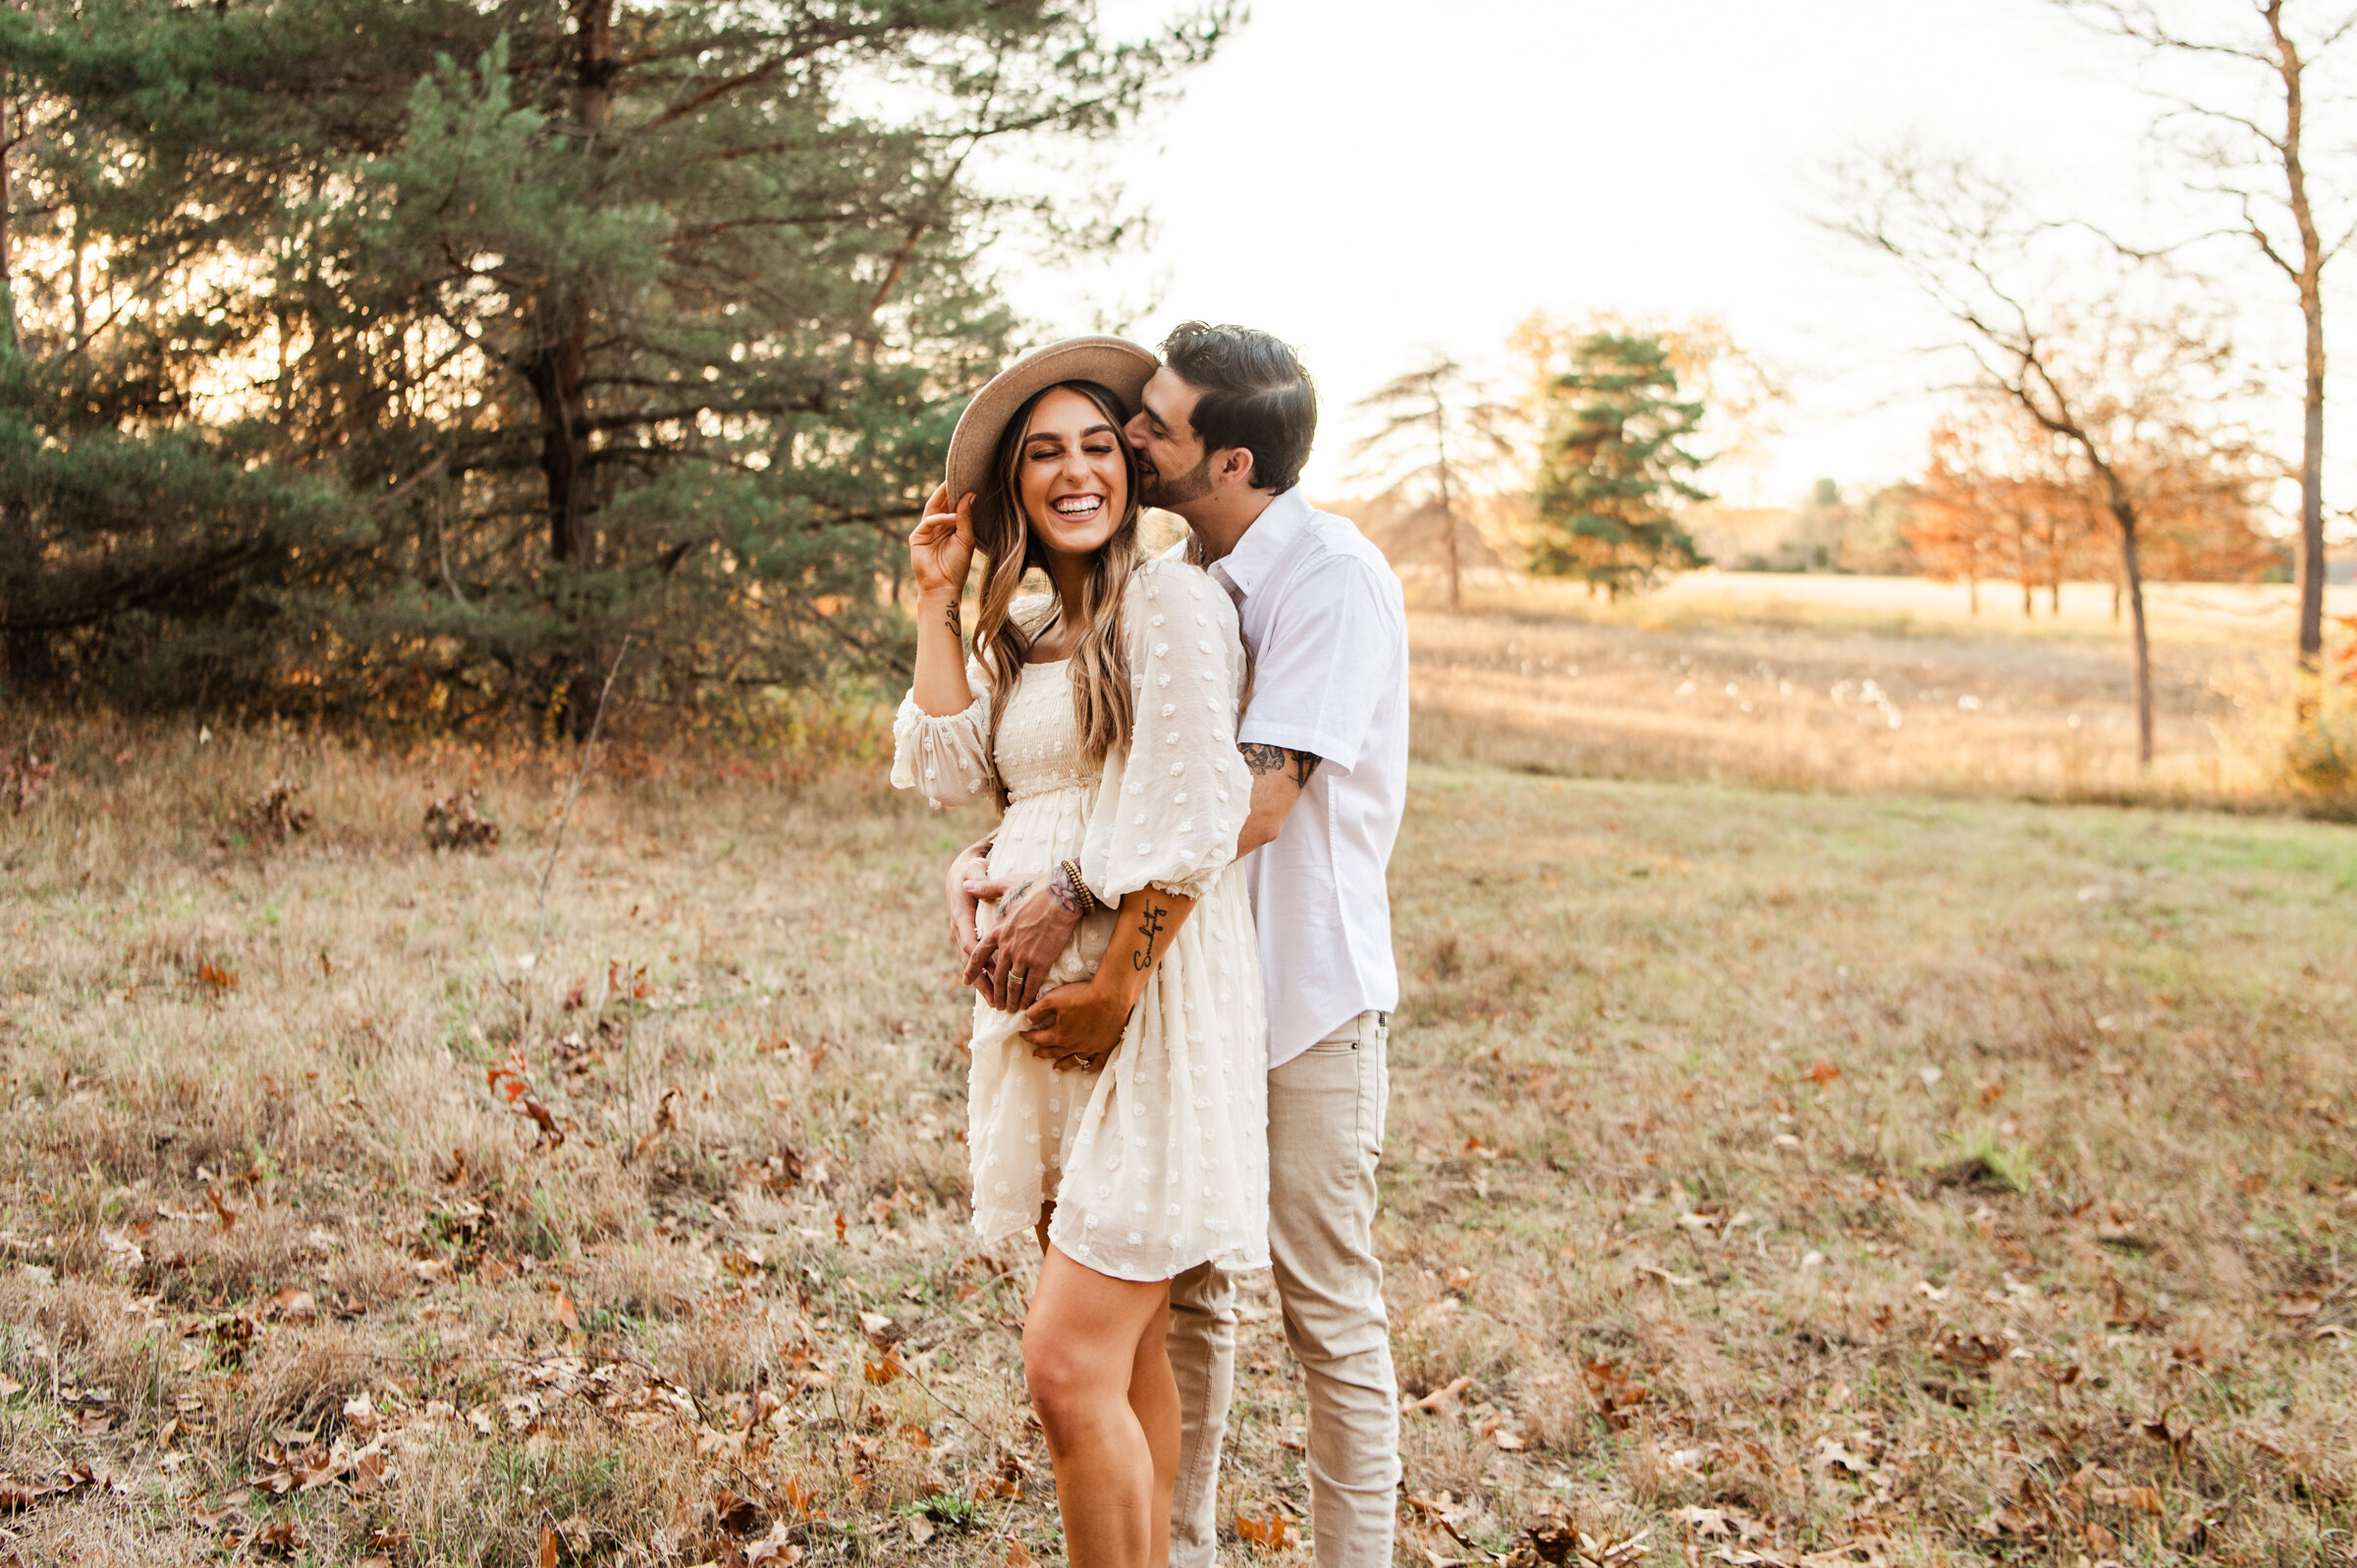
[(1159, 1161)]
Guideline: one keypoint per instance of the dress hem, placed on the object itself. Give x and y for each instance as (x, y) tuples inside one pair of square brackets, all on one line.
[(995, 1226)]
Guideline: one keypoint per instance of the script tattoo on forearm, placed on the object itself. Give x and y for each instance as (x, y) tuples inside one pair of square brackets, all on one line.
[(957, 622), (1149, 926), (1268, 759)]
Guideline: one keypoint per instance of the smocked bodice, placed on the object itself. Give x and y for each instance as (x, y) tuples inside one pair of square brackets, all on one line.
[(1036, 750)]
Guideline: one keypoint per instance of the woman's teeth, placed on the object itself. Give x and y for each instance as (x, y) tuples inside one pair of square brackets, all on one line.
[(1079, 505)]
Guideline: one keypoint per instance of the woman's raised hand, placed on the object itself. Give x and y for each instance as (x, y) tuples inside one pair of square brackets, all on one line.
[(942, 547)]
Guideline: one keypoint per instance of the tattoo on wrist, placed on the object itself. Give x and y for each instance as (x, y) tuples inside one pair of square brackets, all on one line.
[(1060, 888), (957, 622), (1268, 759)]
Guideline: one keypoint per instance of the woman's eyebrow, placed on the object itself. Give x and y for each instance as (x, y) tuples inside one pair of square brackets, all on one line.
[(1092, 430)]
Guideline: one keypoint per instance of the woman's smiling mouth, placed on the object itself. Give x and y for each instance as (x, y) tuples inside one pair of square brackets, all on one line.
[(1078, 509)]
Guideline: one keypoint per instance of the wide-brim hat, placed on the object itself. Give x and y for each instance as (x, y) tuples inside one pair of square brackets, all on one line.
[(1119, 365)]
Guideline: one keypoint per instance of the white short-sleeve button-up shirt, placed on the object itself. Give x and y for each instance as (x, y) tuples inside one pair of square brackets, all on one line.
[(1328, 628)]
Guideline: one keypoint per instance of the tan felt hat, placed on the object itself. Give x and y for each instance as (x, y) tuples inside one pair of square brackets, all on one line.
[(1114, 364)]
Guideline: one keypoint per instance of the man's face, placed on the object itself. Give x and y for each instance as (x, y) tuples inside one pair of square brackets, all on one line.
[(1177, 470)]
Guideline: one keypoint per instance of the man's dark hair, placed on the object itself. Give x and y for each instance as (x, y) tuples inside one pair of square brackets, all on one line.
[(1255, 395)]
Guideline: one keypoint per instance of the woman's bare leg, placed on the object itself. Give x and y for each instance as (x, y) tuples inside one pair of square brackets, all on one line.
[(1084, 1351), (1154, 1401)]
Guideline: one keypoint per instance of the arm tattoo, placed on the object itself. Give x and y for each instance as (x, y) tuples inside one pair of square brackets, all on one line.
[(1015, 895), (1060, 888), (1149, 926), (957, 622), (1268, 759)]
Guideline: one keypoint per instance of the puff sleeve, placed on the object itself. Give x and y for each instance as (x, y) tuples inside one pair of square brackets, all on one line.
[(948, 758), (1169, 809)]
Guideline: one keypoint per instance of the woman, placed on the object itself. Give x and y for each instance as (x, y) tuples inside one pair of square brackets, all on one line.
[(1102, 716)]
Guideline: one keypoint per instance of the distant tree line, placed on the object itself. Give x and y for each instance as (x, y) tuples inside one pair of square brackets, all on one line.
[(404, 357)]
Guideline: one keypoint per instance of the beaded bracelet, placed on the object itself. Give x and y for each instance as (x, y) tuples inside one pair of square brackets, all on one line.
[(1071, 874)]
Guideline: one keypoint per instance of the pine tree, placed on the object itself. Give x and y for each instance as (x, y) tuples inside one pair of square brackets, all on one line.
[(593, 319), (1610, 466)]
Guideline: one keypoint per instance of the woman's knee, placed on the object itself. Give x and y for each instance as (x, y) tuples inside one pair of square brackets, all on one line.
[(1062, 1381)]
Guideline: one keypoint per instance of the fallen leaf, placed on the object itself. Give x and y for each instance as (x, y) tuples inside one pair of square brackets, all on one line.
[(1442, 1398), (1833, 1455), (285, 1534), (1267, 1535), (1822, 1072), (548, 1547), (1711, 1523), (294, 1306), (773, 1550)]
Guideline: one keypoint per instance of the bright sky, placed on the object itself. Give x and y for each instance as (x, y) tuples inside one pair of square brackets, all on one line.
[(1370, 178)]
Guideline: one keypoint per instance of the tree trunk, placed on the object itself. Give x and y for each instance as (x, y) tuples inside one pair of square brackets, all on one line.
[(2133, 573), (2307, 278), (1456, 602), (556, 371), (1440, 444), (1449, 527), (2055, 598), (1973, 583), (2029, 597), (559, 367), (8, 278), (30, 661), (2312, 493)]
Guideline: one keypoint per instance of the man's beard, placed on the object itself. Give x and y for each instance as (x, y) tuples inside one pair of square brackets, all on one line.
[(1193, 485)]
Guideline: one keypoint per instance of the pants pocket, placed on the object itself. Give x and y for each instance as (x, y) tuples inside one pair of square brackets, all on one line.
[(1374, 1088)]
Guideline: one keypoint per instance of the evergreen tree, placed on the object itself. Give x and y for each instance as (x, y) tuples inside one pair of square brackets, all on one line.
[(547, 321), (1611, 468)]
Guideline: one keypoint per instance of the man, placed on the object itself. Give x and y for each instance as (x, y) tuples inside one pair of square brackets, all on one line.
[(1226, 425)]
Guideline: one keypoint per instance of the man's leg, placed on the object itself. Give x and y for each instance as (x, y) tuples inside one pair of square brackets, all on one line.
[(1202, 1349), (1326, 1110)]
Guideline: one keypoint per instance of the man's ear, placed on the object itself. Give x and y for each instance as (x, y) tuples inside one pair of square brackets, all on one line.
[(1234, 467)]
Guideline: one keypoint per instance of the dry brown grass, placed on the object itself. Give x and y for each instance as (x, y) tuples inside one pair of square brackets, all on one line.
[(1672, 1180), (1866, 684)]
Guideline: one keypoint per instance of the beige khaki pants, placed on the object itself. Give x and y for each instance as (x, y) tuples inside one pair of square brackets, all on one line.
[(1325, 1110)]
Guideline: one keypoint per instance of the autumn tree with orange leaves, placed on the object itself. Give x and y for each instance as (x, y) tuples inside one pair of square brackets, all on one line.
[(2003, 500)]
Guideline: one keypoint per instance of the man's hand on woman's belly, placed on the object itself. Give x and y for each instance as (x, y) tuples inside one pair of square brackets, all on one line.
[(1009, 962)]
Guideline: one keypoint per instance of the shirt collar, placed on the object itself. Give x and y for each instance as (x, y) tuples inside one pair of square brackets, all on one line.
[(1265, 542)]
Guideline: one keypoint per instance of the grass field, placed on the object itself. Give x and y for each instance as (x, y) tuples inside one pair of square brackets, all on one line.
[(1772, 1177), (1866, 684)]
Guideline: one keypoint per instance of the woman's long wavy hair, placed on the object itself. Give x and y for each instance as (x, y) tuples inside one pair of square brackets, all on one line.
[(1002, 536)]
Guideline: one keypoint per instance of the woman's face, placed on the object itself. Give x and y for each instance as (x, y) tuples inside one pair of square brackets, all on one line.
[(1072, 474)]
